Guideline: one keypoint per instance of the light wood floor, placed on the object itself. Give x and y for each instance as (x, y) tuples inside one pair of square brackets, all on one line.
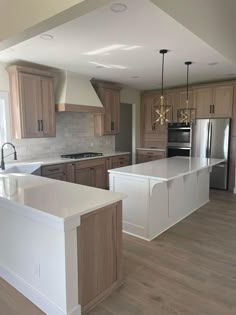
[(188, 270)]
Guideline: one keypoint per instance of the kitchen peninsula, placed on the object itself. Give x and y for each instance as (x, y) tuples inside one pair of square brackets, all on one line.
[(161, 193), (60, 242)]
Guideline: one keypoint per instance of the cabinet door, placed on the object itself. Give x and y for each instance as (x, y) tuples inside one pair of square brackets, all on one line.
[(83, 176), (203, 102), (98, 253), (223, 101), (48, 107), (183, 98), (148, 114), (98, 174), (107, 100), (115, 111), (173, 98), (30, 100), (70, 172)]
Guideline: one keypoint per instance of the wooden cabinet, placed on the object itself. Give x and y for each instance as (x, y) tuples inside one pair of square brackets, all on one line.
[(223, 101), (149, 155), (57, 171), (214, 101), (91, 173), (120, 161), (107, 123), (152, 135), (173, 98), (99, 245), (32, 103)]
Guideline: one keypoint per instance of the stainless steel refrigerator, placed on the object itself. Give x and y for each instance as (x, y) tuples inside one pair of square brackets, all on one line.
[(210, 139)]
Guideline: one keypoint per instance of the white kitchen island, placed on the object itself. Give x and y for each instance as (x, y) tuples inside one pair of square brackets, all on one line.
[(60, 243), (161, 193)]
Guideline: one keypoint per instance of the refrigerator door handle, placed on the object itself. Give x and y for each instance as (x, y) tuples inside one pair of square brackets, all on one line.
[(210, 138)]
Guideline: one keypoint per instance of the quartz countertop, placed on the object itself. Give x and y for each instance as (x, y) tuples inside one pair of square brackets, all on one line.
[(54, 202), (58, 160), (167, 169)]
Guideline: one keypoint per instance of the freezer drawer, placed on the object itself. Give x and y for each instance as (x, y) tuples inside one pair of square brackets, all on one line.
[(219, 175)]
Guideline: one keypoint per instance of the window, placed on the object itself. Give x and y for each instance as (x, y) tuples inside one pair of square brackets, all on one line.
[(4, 118)]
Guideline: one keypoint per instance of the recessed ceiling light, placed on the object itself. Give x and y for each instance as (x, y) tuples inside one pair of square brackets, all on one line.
[(213, 63), (230, 75), (46, 36), (105, 49), (135, 77), (118, 7)]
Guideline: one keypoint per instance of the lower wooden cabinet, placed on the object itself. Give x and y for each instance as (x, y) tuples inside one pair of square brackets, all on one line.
[(99, 246), (57, 171), (149, 155), (92, 172)]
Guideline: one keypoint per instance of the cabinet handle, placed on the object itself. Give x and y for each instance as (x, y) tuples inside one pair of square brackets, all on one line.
[(54, 169), (210, 108), (213, 109), (38, 125), (112, 126), (41, 125)]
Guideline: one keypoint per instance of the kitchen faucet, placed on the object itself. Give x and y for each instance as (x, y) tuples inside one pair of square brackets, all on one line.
[(2, 154)]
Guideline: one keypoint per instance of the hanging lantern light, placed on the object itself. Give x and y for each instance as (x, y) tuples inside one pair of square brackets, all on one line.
[(187, 114), (162, 111)]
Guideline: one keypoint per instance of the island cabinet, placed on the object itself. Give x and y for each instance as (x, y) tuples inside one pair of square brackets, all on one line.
[(32, 103), (107, 123), (99, 254), (214, 101), (149, 155), (57, 171), (91, 173)]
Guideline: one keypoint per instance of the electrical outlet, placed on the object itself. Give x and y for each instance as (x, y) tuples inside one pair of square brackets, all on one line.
[(91, 144)]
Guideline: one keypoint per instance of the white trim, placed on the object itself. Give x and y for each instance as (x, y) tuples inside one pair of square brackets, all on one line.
[(33, 295), (5, 97)]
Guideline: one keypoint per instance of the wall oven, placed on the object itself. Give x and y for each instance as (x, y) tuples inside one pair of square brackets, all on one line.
[(179, 139)]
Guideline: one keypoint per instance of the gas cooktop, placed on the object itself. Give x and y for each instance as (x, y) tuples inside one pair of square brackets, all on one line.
[(81, 155)]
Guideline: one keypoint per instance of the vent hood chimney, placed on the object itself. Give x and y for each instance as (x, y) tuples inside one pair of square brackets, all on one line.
[(75, 93)]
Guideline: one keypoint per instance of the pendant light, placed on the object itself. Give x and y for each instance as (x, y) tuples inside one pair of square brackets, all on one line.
[(187, 114), (162, 109)]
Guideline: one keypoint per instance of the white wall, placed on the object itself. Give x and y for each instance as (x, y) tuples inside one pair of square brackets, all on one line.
[(132, 96), (74, 133)]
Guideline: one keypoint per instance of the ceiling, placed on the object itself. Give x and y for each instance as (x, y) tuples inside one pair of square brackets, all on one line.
[(143, 24)]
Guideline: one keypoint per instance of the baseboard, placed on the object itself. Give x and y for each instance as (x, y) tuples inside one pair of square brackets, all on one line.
[(33, 295)]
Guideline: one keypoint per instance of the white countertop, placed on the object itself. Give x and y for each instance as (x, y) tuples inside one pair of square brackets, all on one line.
[(57, 203), (152, 149), (167, 169), (58, 160)]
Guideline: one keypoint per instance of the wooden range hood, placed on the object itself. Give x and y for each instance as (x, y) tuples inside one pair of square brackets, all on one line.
[(75, 93)]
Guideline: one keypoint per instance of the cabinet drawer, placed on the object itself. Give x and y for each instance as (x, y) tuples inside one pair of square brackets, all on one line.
[(89, 163), (120, 159), (160, 154), (53, 169)]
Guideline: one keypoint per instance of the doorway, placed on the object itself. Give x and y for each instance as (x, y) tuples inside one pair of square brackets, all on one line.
[(123, 141)]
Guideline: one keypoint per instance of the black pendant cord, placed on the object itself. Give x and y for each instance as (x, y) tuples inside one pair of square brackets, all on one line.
[(162, 75), (188, 63), (163, 52)]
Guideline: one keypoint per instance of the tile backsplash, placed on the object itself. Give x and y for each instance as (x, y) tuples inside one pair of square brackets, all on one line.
[(74, 133)]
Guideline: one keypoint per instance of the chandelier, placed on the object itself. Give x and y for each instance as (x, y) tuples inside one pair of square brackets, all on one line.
[(187, 114), (162, 110)]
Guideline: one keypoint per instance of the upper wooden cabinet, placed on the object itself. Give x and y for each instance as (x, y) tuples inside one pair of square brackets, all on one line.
[(107, 123), (214, 101), (32, 103)]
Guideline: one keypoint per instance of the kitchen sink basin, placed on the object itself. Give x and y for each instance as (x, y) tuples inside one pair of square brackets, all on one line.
[(28, 168)]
